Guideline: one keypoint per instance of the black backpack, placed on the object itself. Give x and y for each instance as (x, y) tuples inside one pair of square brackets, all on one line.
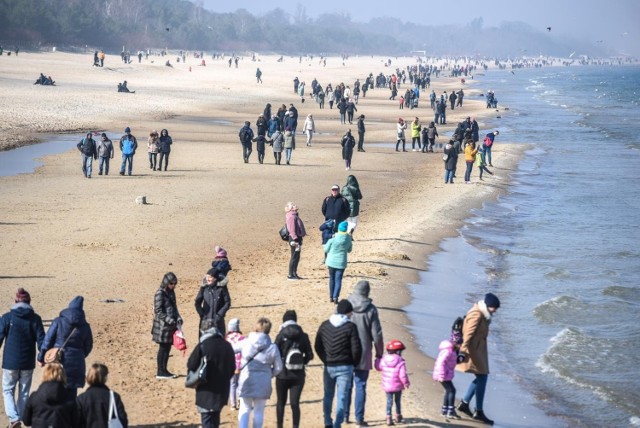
[(294, 360)]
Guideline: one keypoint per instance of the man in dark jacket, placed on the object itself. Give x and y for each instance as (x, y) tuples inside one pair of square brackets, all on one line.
[(295, 349), (212, 395), (21, 330), (361, 133), (365, 317), (246, 136), (336, 207), (338, 346), (72, 325), (87, 147), (213, 299)]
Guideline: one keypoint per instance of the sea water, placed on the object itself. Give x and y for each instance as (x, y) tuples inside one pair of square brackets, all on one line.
[(560, 249)]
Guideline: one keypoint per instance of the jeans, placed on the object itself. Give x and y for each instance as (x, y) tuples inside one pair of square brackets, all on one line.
[(125, 159), (487, 154), (11, 379), (87, 161), (104, 164), (467, 173), (246, 152), (153, 161), (360, 378), (477, 388), (210, 419), (448, 176), (287, 154), (397, 398), (403, 145), (247, 404), (292, 387), (342, 119), (340, 376), (335, 282), (165, 157), (449, 393)]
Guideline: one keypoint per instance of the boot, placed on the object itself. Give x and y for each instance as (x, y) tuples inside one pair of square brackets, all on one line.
[(399, 418), (480, 416), (389, 421), (464, 408), (451, 413), (443, 411)]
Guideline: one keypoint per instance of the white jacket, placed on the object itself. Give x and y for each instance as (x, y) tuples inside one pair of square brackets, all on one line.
[(255, 378)]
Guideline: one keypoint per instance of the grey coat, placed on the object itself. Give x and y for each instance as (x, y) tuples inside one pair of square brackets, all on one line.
[(255, 377), (365, 317)]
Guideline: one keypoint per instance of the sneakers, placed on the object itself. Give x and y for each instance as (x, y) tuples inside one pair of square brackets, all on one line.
[(389, 421), (480, 416), (292, 278), (166, 375), (361, 424), (464, 408)]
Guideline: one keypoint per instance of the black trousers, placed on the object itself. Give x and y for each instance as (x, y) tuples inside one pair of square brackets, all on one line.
[(360, 141), (294, 389), (163, 357)]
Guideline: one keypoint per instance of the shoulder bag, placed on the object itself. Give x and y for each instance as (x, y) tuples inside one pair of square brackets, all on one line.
[(199, 376), (54, 355), (114, 419)]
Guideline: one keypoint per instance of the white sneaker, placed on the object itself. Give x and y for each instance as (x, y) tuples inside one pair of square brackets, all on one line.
[(413, 150)]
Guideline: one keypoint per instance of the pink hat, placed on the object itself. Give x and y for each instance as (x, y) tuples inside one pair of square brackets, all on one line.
[(220, 252)]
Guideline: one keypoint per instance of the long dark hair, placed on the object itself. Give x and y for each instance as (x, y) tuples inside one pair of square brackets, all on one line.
[(169, 278)]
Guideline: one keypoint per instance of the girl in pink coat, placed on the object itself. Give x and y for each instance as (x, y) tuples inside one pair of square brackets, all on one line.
[(444, 370), (394, 377)]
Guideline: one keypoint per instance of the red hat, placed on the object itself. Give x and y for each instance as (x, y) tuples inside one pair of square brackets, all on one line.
[(23, 296), (395, 345)]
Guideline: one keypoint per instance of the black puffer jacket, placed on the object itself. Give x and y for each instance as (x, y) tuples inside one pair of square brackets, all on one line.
[(213, 302), (50, 407), (291, 334), (338, 343)]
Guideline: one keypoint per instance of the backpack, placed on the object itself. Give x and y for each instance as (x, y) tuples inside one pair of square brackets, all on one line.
[(294, 360), (487, 141)]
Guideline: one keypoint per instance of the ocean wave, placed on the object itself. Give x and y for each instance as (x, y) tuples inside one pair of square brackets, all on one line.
[(628, 294), (558, 308), (557, 274)]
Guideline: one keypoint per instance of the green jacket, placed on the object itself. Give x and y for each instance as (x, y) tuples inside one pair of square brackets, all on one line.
[(337, 249), (351, 192)]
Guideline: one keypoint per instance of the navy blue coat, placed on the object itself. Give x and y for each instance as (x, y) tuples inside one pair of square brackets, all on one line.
[(79, 345), (22, 329)]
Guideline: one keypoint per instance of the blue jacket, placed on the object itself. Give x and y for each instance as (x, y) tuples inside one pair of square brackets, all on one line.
[(337, 249), (327, 230), (22, 328), (79, 345)]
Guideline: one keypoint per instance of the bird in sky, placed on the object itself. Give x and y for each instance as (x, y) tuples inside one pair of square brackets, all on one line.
[(167, 28), (548, 28)]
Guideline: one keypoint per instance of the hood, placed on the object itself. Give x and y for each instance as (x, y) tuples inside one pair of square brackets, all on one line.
[(291, 331), (52, 392), (445, 344), (359, 302), (391, 360), (223, 282), (212, 332), (259, 340), (74, 314), (22, 310), (338, 320), (352, 181), (482, 307)]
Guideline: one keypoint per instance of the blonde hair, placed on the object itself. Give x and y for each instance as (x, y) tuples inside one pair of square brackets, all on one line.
[(97, 374), (263, 325), (54, 372), (290, 207)]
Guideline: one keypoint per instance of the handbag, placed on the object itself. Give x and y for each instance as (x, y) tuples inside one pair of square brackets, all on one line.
[(284, 233), (54, 355), (179, 342), (113, 422), (445, 157), (198, 376)]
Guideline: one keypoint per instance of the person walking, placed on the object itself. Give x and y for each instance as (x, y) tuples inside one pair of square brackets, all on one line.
[(394, 378), (94, 405), (487, 144), (258, 75), (336, 250), (166, 320), (289, 144), (432, 133), (450, 159), (153, 145), (212, 394), (401, 126), (277, 143), (165, 149), (361, 131), (365, 317), (213, 299), (246, 137), (338, 346), (261, 361), (52, 404), (347, 143), (235, 336), (297, 232), (128, 147), (336, 207), (444, 369), (474, 354), (351, 108), (106, 153), (351, 192), (71, 331), (87, 146), (481, 164), (295, 350), (415, 134), (21, 330), (309, 128)]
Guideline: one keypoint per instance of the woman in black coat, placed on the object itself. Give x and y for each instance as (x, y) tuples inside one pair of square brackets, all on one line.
[(347, 143), (93, 404), (212, 395), (450, 162), (166, 320), (213, 299), (52, 405)]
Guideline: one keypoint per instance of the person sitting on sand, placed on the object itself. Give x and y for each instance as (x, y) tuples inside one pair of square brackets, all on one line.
[(122, 87), (168, 63)]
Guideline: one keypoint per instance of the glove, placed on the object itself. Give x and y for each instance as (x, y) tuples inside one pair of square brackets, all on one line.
[(462, 357)]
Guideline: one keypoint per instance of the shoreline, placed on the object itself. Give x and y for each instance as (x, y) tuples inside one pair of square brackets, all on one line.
[(371, 261)]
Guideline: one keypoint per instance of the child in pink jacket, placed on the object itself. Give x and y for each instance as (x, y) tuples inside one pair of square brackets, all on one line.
[(394, 377), (444, 370)]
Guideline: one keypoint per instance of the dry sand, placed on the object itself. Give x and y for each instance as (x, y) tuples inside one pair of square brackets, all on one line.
[(64, 235)]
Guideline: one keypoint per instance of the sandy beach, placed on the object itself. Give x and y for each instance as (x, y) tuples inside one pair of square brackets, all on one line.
[(64, 235)]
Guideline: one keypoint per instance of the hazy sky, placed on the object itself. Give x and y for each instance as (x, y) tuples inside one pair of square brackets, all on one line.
[(590, 20)]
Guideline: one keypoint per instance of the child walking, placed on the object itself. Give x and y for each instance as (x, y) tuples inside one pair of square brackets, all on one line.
[(444, 370), (394, 377), (234, 336)]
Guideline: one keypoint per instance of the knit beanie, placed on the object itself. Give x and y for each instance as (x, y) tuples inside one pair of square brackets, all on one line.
[(491, 301), (342, 227), (220, 252), (233, 325), (290, 315), (23, 296), (344, 307), (362, 288)]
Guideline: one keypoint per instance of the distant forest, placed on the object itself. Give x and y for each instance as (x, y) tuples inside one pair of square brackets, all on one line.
[(182, 24)]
